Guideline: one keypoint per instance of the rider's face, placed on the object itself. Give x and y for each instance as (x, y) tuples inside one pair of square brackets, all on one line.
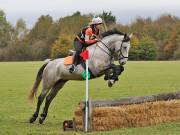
[(98, 26)]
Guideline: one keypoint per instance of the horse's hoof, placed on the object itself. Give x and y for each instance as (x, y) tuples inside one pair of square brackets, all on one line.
[(32, 119), (110, 83), (41, 120)]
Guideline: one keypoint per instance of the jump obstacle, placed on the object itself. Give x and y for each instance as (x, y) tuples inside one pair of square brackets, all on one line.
[(126, 112), (104, 115)]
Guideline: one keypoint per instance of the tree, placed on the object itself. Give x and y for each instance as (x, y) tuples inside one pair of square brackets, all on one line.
[(134, 41), (40, 50), (108, 18), (17, 51), (133, 54), (177, 53), (5, 30), (20, 29), (69, 26), (40, 30), (61, 46), (53, 32), (171, 45), (74, 23), (168, 50), (147, 49)]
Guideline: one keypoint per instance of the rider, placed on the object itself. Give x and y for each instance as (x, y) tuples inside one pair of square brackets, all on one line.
[(86, 37)]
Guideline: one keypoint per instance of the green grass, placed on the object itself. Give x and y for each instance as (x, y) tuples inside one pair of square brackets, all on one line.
[(139, 78)]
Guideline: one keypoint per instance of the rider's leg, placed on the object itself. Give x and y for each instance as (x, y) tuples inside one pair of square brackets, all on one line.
[(76, 58), (78, 47)]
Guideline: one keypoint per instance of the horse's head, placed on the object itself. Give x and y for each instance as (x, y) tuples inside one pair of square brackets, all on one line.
[(119, 43), (122, 46)]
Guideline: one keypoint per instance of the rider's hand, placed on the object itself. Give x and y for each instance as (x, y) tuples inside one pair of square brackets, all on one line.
[(94, 36), (96, 39)]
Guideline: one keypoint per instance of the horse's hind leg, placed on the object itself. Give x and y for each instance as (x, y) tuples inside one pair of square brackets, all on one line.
[(58, 85), (40, 100)]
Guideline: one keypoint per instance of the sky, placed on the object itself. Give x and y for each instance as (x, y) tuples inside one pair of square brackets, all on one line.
[(125, 10)]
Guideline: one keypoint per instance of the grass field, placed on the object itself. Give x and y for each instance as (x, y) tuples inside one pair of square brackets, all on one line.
[(139, 78)]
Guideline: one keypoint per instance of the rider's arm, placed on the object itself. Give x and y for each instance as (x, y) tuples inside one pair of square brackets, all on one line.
[(88, 36)]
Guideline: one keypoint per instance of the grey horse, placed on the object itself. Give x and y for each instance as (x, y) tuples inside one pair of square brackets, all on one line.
[(54, 74)]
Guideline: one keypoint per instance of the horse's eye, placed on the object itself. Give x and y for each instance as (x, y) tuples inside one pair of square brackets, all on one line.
[(125, 47)]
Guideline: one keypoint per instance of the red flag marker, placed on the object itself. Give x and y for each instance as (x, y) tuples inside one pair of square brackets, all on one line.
[(85, 54)]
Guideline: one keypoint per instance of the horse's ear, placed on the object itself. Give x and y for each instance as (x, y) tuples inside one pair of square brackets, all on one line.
[(130, 36), (125, 36)]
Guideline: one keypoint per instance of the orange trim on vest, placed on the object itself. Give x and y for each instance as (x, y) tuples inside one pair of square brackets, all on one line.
[(89, 32)]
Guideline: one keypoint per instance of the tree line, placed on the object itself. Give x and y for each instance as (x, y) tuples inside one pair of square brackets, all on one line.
[(157, 39)]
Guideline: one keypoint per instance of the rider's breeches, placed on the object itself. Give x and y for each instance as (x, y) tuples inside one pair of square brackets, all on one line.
[(78, 47)]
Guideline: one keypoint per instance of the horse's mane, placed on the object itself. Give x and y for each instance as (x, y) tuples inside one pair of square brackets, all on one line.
[(111, 32)]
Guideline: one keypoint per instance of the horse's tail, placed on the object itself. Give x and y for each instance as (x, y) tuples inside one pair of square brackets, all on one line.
[(37, 82)]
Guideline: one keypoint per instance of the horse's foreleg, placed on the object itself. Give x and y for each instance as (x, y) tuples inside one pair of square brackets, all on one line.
[(58, 85)]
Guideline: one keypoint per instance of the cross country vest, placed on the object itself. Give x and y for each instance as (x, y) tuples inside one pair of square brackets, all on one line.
[(81, 35)]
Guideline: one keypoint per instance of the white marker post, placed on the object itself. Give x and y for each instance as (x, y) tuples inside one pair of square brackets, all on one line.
[(85, 55), (86, 115)]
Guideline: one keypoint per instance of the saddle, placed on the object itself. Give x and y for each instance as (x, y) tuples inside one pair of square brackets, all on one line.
[(69, 61)]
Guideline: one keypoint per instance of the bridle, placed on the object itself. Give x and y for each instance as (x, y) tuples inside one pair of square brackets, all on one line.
[(120, 51), (111, 54)]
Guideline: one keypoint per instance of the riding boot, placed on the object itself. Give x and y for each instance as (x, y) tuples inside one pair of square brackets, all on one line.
[(72, 68), (78, 47), (75, 63)]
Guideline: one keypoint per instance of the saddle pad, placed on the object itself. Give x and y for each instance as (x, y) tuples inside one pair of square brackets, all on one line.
[(68, 60)]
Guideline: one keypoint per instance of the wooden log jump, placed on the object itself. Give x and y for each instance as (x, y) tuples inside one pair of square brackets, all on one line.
[(130, 112), (134, 100)]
